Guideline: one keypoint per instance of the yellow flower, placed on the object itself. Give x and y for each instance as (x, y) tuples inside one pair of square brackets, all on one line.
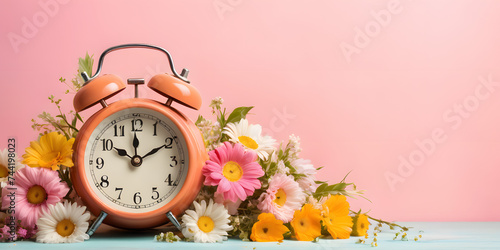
[(360, 225), (52, 151), (306, 223), (268, 228), (336, 217)]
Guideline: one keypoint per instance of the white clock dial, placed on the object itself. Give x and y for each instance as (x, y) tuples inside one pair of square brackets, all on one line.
[(136, 160)]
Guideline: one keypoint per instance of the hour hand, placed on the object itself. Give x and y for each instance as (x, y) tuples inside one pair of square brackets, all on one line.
[(122, 152), (153, 151)]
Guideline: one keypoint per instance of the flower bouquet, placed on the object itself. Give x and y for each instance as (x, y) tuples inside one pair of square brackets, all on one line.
[(254, 188)]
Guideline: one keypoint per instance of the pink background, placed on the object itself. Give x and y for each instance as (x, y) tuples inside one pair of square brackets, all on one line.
[(363, 83)]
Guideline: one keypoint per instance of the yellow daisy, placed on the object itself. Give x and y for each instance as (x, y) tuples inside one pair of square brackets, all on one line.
[(306, 223), (52, 151), (336, 217), (268, 229), (360, 225)]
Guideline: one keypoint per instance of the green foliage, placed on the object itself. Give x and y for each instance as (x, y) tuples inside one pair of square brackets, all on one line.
[(339, 188), (238, 114), (85, 64), (65, 123), (222, 118)]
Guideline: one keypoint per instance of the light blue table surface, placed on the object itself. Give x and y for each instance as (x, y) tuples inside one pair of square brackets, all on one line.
[(437, 235)]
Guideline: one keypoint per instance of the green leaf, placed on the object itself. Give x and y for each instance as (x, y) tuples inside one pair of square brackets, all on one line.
[(79, 117), (238, 114), (321, 188), (85, 64), (200, 119)]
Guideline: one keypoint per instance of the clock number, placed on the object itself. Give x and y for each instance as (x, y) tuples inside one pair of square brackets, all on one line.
[(155, 195), (100, 163), (154, 128), (137, 198), (137, 125), (104, 181), (120, 194), (119, 130), (169, 180), (168, 142), (173, 157), (107, 145)]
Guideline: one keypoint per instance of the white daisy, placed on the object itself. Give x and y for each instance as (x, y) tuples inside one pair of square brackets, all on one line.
[(63, 223), (250, 136), (308, 182), (4, 165), (206, 224), (282, 168)]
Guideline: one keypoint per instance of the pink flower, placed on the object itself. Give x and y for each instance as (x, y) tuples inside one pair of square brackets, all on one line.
[(304, 167), (232, 207), (22, 233), (36, 188), (6, 235), (5, 230), (234, 170), (282, 198)]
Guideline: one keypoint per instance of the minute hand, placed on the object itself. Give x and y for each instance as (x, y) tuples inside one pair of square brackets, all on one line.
[(153, 151)]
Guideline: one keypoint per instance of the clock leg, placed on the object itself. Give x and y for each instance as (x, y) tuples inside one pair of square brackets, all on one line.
[(97, 223), (174, 221)]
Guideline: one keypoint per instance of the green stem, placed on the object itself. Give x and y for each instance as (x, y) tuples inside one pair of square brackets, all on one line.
[(71, 126), (64, 175), (391, 224), (62, 130)]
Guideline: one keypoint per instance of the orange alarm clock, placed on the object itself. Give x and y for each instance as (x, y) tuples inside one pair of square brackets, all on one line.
[(137, 161)]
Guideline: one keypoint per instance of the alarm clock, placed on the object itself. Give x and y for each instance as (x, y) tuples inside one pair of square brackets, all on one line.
[(137, 161)]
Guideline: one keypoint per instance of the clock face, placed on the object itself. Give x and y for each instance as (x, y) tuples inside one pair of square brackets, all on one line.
[(136, 160)]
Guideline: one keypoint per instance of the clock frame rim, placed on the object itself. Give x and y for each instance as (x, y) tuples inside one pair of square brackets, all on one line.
[(196, 154)]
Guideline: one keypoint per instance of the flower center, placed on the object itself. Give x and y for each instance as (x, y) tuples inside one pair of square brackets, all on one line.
[(4, 171), (50, 159), (65, 227), (206, 224), (362, 225), (302, 223), (248, 142), (265, 230), (232, 171), (36, 194), (280, 197)]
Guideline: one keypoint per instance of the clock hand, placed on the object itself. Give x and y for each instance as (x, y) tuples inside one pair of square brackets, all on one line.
[(153, 151), (122, 152), (135, 143)]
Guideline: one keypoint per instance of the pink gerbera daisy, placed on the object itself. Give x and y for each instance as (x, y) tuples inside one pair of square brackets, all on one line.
[(234, 170), (35, 189), (282, 198)]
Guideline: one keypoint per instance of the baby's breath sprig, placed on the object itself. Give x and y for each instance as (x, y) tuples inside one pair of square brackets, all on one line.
[(169, 237), (64, 123)]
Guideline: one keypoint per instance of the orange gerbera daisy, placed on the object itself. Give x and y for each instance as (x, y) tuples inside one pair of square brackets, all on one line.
[(268, 229), (360, 225), (336, 217), (306, 223)]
